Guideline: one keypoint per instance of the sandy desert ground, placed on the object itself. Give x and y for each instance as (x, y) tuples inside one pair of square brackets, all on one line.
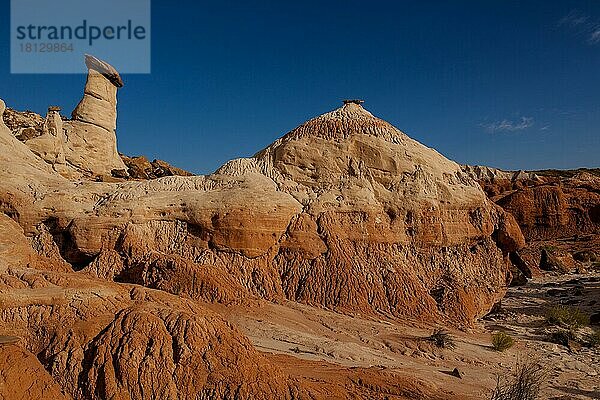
[(328, 340)]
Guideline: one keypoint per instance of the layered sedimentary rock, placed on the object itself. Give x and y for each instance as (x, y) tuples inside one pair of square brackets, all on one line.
[(46, 138), (50, 145), (546, 204), (67, 335), (388, 225), (100, 340), (344, 212)]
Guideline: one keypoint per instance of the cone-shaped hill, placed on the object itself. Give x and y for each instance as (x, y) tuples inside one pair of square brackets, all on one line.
[(388, 224)]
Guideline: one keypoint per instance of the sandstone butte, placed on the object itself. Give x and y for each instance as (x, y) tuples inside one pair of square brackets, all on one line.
[(106, 281)]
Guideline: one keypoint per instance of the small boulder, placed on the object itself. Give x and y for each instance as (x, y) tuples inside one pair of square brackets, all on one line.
[(517, 277), (518, 262), (456, 373), (549, 262)]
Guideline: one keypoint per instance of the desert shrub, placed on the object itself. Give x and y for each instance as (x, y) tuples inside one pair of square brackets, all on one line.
[(502, 341), (442, 339), (569, 317), (525, 383)]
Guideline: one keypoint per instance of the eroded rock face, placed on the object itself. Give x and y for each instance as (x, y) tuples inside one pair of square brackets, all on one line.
[(92, 130), (555, 211), (24, 377), (546, 204), (386, 221), (25, 125), (344, 212), (86, 144), (100, 340)]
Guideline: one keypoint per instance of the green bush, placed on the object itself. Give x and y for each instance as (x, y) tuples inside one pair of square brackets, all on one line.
[(571, 318), (442, 339), (502, 341)]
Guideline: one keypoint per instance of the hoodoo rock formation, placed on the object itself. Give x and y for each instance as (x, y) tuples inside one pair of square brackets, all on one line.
[(87, 143), (92, 130), (345, 212)]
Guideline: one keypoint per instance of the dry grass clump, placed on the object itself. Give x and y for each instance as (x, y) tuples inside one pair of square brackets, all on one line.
[(502, 341), (568, 317), (525, 383), (442, 339)]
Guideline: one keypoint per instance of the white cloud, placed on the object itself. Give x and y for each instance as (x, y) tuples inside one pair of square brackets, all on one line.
[(574, 18), (582, 25), (595, 36), (506, 125)]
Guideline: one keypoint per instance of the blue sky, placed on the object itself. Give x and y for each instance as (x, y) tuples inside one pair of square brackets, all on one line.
[(510, 84)]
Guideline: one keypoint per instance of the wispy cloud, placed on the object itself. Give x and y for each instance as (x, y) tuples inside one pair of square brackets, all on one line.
[(574, 18), (583, 25), (595, 36), (507, 125)]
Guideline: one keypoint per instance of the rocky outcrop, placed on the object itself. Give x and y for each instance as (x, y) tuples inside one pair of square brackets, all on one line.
[(344, 212), (92, 129), (99, 340), (386, 221), (547, 204), (50, 145), (495, 181), (552, 211), (24, 125), (68, 335), (85, 145), (46, 138), (141, 168)]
